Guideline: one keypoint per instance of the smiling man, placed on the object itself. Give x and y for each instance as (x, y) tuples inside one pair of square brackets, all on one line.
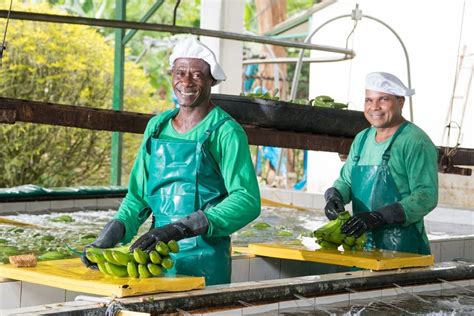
[(390, 175), (193, 173)]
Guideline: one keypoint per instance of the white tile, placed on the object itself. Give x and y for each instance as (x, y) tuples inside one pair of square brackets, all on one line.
[(427, 288), (302, 199), (38, 206), (230, 312), (436, 250), (365, 295), (240, 270), (297, 303), (318, 201), (71, 295), (323, 300), (469, 249), (454, 284), (57, 205), (10, 293), (85, 203), (396, 291), (451, 250), (264, 269), (12, 207), (34, 294), (268, 309), (283, 196), (109, 203)]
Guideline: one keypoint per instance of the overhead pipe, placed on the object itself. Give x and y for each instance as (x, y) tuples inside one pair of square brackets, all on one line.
[(41, 17), (294, 85)]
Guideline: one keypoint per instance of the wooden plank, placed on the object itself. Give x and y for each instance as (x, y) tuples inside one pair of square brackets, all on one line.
[(373, 260), (70, 274)]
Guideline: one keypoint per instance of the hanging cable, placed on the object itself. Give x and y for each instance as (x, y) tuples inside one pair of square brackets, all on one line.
[(3, 45), (458, 67), (356, 16), (175, 12)]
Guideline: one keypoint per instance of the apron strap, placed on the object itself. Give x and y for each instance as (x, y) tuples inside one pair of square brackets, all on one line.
[(168, 116), (361, 145), (386, 154), (199, 146), (159, 127)]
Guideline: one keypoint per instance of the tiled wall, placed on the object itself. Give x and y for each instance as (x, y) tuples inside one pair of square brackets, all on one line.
[(59, 205), (306, 305), (14, 294)]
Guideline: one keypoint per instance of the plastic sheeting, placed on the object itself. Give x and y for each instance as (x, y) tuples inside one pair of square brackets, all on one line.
[(375, 260), (70, 274)]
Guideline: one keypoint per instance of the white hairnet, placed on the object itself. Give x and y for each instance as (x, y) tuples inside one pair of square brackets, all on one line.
[(190, 47), (388, 83)]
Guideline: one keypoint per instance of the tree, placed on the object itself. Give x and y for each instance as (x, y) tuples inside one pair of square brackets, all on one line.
[(64, 64)]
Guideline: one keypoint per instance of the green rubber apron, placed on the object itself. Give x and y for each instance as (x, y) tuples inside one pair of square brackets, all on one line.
[(373, 187), (183, 178)]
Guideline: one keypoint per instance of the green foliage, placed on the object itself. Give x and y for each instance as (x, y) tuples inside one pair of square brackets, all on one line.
[(147, 48), (65, 64)]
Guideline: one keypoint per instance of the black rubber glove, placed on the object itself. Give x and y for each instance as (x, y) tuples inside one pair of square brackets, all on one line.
[(112, 233), (334, 203), (190, 226), (358, 224)]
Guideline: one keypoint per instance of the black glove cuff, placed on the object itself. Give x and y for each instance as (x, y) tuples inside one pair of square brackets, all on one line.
[(393, 213), (195, 224), (112, 233), (331, 194)]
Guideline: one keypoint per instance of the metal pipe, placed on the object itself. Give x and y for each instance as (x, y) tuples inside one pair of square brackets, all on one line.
[(294, 85), (19, 15), (288, 60), (296, 76), (406, 57)]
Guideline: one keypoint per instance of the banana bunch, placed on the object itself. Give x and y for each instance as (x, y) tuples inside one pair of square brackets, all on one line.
[(330, 236), (327, 102), (119, 262)]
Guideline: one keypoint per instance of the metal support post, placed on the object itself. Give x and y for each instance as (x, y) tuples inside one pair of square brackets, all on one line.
[(116, 154)]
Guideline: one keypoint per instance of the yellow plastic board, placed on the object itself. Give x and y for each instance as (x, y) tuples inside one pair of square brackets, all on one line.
[(373, 260), (70, 274)]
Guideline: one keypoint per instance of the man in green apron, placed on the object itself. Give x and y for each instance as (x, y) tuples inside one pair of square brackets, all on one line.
[(390, 174), (193, 172)]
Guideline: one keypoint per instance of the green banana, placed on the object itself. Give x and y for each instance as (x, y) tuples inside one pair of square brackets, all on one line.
[(338, 105), (108, 255), (132, 269), (324, 99), (115, 270), (102, 268), (360, 242), (174, 246), (167, 263), (162, 248), (154, 269), (143, 271), (121, 257), (328, 245), (95, 256), (52, 255), (346, 247), (331, 233), (349, 241), (327, 102), (326, 229), (140, 256), (155, 257)]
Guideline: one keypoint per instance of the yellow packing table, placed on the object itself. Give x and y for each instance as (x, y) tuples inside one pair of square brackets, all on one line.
[(373, 260), (70, 274)]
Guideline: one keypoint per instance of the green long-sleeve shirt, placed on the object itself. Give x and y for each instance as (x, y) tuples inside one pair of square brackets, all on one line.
[(229, 148), (413, 164)]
